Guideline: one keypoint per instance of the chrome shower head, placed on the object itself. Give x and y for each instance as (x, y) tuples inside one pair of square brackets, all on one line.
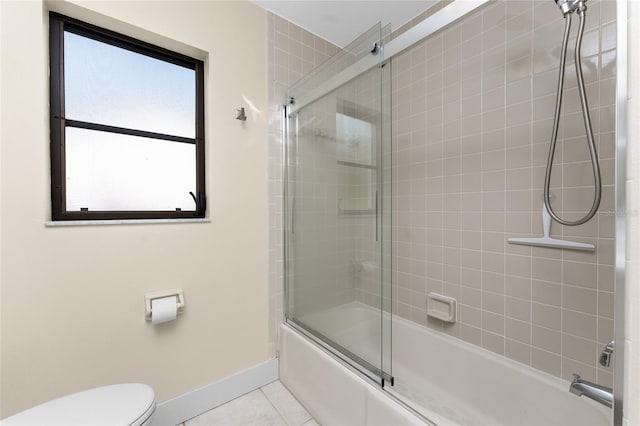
[(570, 6)]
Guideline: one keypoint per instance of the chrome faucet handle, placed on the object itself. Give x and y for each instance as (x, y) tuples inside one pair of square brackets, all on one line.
[(607, 352)]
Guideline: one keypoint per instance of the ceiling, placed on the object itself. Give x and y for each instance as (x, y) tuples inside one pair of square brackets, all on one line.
[(342, 21)]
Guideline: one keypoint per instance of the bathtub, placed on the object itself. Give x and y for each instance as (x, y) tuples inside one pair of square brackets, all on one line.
[(446, 380)]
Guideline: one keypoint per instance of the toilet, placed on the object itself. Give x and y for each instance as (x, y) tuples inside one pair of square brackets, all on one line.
[(128, 404)]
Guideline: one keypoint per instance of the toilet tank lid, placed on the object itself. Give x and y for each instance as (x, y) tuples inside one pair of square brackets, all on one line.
[(123, 404)]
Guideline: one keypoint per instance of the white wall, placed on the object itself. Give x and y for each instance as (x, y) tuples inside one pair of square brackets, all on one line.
[(73, 297)]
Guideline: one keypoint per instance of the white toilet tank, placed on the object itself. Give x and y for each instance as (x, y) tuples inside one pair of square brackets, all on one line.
[(129, 404)]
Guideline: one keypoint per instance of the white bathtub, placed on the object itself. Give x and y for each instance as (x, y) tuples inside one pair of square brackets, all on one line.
[(354, 326), (449, 381)]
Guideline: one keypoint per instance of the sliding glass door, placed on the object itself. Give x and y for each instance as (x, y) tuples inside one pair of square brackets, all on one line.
[(337, 199)]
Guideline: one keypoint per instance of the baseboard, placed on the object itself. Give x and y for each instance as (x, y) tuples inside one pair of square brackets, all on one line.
[(191, 404)]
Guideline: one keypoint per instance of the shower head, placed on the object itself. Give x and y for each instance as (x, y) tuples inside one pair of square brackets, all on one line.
[(570, 6)]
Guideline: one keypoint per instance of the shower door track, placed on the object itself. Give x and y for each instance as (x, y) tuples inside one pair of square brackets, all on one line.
[(362, 366)]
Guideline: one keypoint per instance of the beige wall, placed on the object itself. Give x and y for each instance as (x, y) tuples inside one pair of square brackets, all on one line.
[(73, 297)]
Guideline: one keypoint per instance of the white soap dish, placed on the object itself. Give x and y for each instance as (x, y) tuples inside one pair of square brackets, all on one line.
[(441, 307)]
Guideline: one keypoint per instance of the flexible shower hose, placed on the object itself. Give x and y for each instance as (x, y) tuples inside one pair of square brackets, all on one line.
[(587, 124)]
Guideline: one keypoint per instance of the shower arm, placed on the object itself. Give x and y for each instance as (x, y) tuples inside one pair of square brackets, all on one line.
[(587, 123)]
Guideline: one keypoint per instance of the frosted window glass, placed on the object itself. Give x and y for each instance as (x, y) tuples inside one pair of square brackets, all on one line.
[(107, 171), (355, 139), (355, 188), (108, 85)]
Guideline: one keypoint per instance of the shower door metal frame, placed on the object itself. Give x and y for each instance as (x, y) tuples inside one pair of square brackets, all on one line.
[(621, 122)]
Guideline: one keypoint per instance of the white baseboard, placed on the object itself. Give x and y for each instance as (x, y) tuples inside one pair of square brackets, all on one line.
[(191, 404)]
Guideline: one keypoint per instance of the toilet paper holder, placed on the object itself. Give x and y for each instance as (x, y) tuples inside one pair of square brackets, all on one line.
[(159, 295)]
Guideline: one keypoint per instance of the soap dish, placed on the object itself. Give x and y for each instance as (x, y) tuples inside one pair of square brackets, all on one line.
[(441, 307)]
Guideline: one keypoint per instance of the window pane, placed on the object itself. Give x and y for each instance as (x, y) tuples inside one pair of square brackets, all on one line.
[(107, 171), (355, 139), (108, 85), (355, 188)]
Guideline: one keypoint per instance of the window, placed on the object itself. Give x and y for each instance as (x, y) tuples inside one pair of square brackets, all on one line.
[(127, 127), (356, 134)]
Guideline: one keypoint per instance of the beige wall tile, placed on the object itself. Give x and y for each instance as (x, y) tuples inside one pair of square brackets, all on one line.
[(518, 287), (605, 330), (544, 338), (569, 367), (546, 316), (580, 274), (493, 342), (579, 324), (605, 304), (518, 309), (546, 269), (546, 361), (494, 303), (493, 282), (470, 315), (519, 331), (519, 266), (580, 299), (492, 322), (471, 334), (471, 296), (579, 349), (517, 351)]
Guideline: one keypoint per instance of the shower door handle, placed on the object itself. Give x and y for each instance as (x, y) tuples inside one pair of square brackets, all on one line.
[(376, 210), (293, 214)]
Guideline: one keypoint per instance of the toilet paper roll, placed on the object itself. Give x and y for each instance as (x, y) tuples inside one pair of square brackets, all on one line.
[(163, 309)]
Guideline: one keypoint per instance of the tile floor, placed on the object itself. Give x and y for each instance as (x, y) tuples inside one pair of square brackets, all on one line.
[(271, 405)]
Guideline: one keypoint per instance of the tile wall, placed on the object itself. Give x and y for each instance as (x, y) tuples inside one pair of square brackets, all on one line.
[(472, 112), (293, 52)]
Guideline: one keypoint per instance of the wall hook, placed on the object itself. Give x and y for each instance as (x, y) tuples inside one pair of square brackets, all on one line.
[(240, 114)]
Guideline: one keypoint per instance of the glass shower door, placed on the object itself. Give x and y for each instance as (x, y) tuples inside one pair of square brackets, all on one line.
[(335, 200)]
